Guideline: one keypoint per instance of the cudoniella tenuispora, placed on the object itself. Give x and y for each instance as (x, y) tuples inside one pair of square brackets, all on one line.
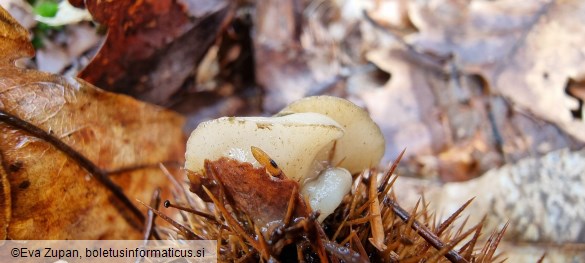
[(305, 140)]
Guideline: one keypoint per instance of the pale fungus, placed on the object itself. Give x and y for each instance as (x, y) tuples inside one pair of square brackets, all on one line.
[(362, 146), (326, 192), (298, 143), (305, 141)]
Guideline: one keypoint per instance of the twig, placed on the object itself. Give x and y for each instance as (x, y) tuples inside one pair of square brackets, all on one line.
[(184, 230), (150, 216), (207, 216)]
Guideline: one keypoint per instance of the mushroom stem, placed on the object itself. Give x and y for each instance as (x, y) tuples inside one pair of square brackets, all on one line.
[(326, 192)]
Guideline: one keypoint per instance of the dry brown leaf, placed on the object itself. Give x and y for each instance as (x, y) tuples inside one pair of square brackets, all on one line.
[(526, 51), (450, 126), (153, 46), (446, 116), (61, 139), (5, 206), (253, 190)]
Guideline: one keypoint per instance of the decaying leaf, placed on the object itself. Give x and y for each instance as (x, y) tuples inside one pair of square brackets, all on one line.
[(526, 51), (74, 158), (5, 206), (451, 121), (290, 63), (153, 46), (263, 197), (408, 102)]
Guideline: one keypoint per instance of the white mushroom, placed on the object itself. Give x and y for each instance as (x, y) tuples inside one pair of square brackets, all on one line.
[(326, 192), (298, 143), (304, 139), (362, 145)]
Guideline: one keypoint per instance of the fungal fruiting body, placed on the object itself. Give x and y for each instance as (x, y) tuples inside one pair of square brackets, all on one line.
[(273, 182), (317, 142), (362, 145), (326, 191)]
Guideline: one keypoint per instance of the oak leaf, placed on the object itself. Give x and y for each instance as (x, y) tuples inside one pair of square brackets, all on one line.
[(73, 158)]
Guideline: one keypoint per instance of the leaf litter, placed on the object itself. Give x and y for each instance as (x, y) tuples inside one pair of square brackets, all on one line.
[(63, 137), (446, 66)]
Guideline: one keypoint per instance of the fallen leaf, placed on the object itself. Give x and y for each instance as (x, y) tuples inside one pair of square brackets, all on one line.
[(391, 14), (474, 125), (77, 3), (288, 68), (152, 46), (450, 126), (259, 195), (405, 107), (526, 51), (22, 12), (416, 110), (75, 158), (5, 205)]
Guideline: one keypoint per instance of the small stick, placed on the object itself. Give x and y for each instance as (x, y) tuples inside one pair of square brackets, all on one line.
[(168, 204), (184, 230), (150, 216)]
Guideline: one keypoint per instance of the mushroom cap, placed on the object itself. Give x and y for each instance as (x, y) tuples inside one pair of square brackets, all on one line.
[(362, 145), (298, 143)]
